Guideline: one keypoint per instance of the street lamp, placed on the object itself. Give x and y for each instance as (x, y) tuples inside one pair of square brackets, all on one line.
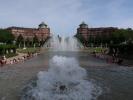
[(24, 45), (14, 42)]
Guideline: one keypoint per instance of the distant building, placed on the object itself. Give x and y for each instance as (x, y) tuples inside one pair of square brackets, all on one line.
[(42, 32), (86, 32)]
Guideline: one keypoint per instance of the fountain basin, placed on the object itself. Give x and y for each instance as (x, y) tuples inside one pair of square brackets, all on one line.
[(63, 81)]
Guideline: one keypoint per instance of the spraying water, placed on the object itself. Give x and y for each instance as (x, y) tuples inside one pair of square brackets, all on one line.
[(63, 81), (58, 43)]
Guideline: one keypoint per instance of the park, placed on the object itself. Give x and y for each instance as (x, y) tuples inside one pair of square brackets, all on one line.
[(66, 68)]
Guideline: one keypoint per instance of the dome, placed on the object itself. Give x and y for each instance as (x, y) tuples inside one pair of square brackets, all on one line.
[(43, 25), (83, 25)]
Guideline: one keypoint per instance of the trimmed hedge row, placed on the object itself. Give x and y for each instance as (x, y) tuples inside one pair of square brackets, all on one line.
[(4, 48), (123, 50)]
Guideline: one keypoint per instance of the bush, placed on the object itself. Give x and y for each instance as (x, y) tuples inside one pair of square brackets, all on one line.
[(4, 48), (6, 36), (123, 50)]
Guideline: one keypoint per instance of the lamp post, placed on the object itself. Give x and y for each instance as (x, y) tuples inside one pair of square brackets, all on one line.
[(14, 42), (34, 45), (24, 45)]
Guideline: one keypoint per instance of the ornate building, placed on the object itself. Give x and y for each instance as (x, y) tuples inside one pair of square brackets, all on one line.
[(42, 32), (86, 32)]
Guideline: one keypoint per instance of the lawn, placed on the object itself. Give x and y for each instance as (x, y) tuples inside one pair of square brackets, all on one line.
[(96, 49), (28, 50)]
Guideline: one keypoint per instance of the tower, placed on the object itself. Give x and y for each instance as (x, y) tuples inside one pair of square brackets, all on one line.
[(83, 30), (42, 25), (83, 25), (43, 31)]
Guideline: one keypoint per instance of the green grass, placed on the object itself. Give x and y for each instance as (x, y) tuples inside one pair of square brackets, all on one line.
[(97, 49), (30, 50)]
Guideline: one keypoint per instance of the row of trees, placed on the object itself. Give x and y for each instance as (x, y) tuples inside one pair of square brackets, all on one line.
[(9, 44), (21, 41), (120, 42), (7, 49), (7, 38), (117, 37), (122, 50), (93, 40), (122, 35), (6, 42)]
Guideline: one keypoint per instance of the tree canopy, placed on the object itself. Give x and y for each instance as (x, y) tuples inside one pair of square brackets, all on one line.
[(35, 39), (6, 36), (117, 37), (20, 39)]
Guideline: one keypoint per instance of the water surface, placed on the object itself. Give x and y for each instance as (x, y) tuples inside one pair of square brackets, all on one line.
[(116, 81)]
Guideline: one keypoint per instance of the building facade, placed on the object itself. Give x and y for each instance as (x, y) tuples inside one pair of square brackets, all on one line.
[(42, 32), (86, 32)]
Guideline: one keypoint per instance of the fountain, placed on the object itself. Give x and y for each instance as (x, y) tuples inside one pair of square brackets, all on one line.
[(62, 81), (58, 43)]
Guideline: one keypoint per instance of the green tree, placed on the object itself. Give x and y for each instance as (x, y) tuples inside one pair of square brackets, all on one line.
[(129, 34), (35, 40), (122, 35), (91, 40), (27, 42), (105, 39), (6, 36), (20, 40), (42, 42), (98, 39), (81, 38)]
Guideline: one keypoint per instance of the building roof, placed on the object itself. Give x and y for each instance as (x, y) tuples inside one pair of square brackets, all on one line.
[(83, 25), (23, 28), (43, 25)]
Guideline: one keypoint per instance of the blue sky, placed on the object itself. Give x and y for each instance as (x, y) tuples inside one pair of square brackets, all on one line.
[(64, 16)]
